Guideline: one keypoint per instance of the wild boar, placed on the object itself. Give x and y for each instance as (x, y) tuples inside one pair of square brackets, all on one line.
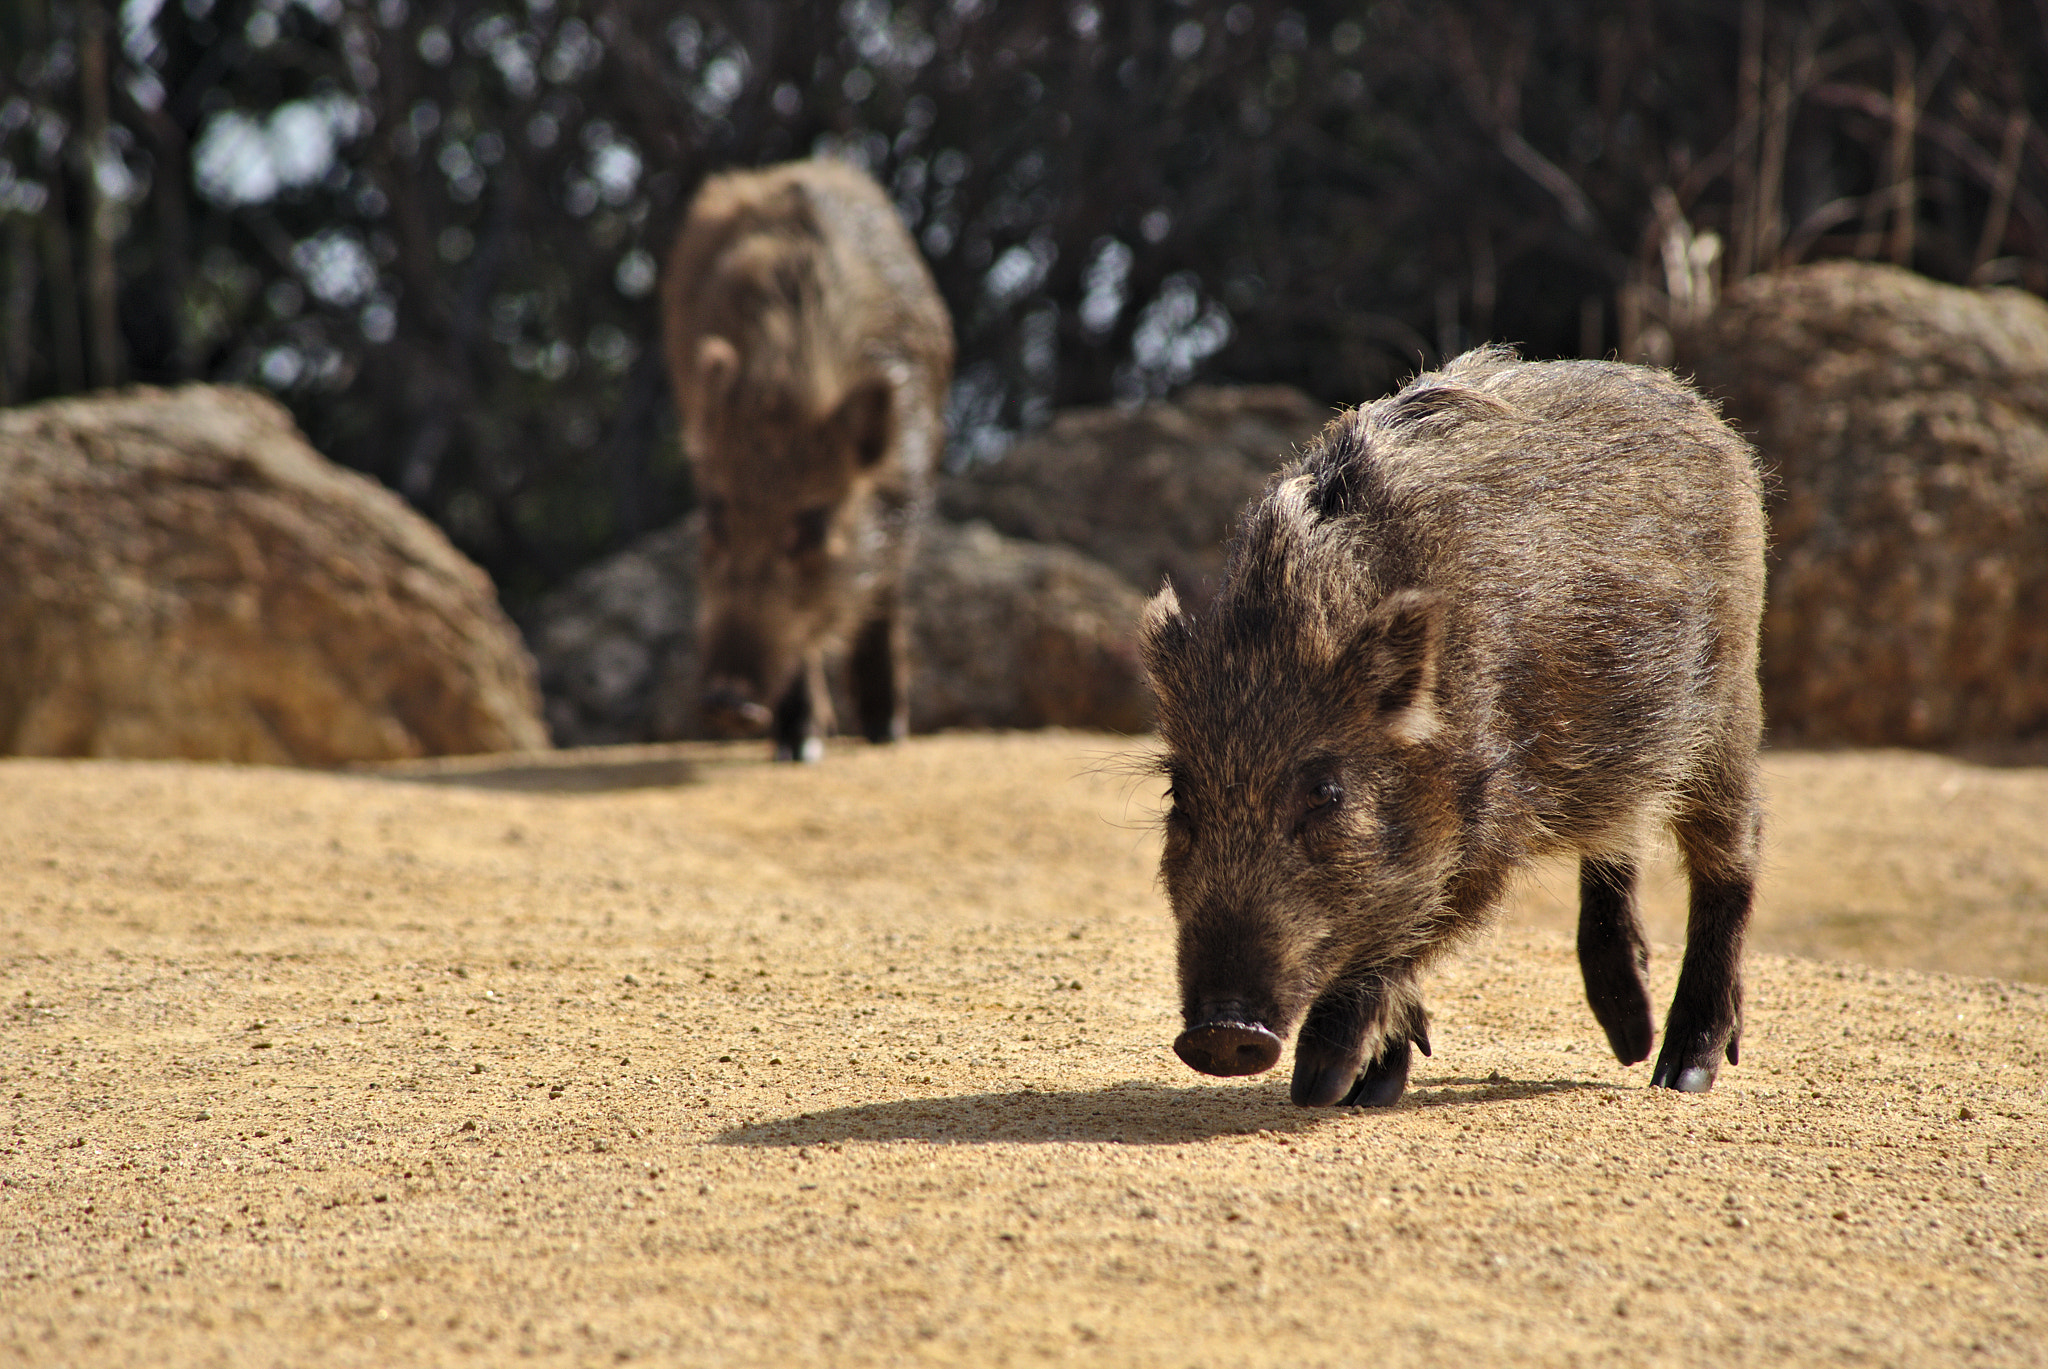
[(1511, 610), (809, 355)]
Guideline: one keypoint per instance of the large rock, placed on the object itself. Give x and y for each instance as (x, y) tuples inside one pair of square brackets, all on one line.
[(1005, 634), (1024, 596), (1153, 491), (1905, 424), (1020, 634), (181, 575), (617, 645)]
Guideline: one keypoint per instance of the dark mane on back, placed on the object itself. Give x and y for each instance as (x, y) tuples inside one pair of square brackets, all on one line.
[(1344, 470)]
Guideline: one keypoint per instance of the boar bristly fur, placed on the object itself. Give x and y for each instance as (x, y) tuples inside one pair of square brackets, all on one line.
[(809, 354), (1510, 611)]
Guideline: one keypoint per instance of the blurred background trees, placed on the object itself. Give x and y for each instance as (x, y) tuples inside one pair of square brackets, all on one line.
[(433, 227)]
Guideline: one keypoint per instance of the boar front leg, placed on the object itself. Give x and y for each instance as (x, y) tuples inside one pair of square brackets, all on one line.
[(880, 666), (1613, 956), (804, 715), (1330, 1064)]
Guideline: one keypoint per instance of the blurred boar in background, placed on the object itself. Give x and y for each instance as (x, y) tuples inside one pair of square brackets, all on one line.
[(1509, 611), (809, 354)]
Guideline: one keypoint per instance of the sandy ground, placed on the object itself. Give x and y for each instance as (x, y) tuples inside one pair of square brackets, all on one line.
[(673, 1056)]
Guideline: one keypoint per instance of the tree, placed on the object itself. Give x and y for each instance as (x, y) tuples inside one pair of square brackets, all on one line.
[(433, 226)]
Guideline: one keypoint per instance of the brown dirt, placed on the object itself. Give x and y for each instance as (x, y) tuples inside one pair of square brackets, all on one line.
[(867, 1063)]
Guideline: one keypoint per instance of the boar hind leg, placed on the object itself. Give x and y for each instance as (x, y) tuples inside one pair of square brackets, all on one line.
[(1613, 956), (1720, 841), (1330, 1064), (879, 665), (804, 715)]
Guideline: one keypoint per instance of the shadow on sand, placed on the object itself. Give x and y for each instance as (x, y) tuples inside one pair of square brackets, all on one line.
[(580, 770), (1133, 1113)]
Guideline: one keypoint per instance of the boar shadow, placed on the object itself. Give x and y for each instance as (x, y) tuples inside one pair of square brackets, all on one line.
[(562, 772), (1133, 1113)]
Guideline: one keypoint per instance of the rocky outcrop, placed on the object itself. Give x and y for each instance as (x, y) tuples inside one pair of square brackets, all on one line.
[(1024, 596), (1020, 634), (617, 645), (1004, 634), (181, 575), (1153, 492), (1905, 427)]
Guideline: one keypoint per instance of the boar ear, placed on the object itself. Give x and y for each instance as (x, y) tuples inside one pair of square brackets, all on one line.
[(865, 415), (1393, 664), (718, 365), (1163, 631)]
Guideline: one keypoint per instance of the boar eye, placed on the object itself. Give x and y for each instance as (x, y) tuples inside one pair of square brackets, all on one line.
[(714, 517), (807, 530), (1320, 800), (1176, 812)]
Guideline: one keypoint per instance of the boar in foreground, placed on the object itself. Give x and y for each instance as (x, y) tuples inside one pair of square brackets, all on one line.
[(809, 354), (1510, 611)]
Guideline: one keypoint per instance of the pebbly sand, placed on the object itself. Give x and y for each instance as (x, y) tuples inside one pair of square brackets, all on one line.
[(671, 1056)]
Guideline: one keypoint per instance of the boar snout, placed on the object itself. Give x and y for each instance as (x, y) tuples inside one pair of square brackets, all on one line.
[(1227, 1042), (1240, 995)]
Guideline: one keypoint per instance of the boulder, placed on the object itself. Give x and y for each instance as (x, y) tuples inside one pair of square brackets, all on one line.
[(1004, 634), (1011, 633), (1024, 594), (181, 575), (1153, 492), (1904, 426), (617, 645)]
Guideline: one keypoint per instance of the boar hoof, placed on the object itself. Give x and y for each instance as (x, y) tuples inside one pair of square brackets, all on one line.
[(1322, 1083), (1689, 1062), (809, 751), (1228, 1048), (1614, 990), (1381, 1084)]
